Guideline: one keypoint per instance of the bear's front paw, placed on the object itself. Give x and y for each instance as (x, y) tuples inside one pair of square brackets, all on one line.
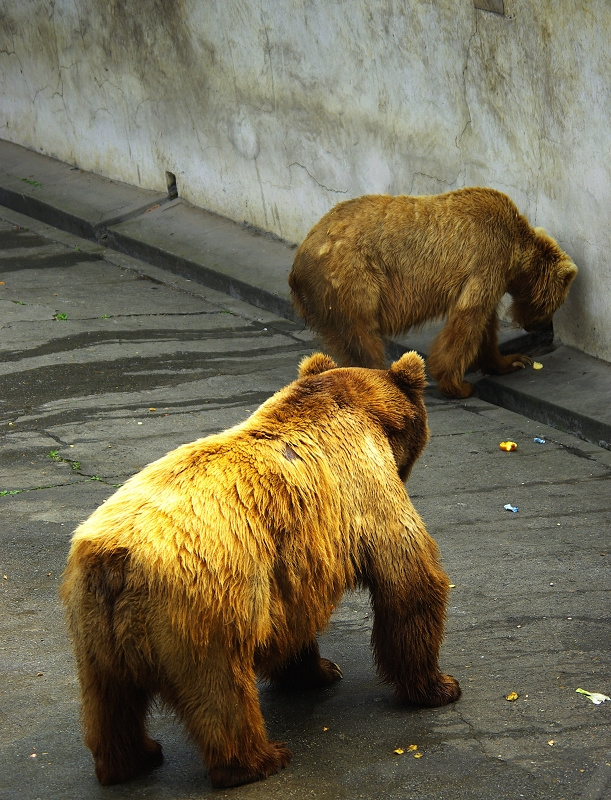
[(445, 690), (276, 757), (511, 363), (330, 672), (307, 674)]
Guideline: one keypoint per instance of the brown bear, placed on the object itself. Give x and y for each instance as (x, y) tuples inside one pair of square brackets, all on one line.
[(376, 266), (223, 559)]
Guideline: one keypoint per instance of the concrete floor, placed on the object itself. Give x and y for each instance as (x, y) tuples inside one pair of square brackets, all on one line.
[(145, 360)]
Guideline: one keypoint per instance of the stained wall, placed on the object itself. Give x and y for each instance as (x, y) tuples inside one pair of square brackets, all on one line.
[(272, 112)]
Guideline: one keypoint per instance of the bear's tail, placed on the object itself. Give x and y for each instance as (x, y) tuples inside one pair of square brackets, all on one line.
[(297, 299), (92, 583)]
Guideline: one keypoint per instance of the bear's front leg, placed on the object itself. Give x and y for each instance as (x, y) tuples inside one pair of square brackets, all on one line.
[(216, 698), (489, 358), (409, 595), (305, 670), (455, 349)]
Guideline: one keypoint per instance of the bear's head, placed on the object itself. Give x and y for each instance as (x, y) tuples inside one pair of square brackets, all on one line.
[(392, 398), (541, 286)]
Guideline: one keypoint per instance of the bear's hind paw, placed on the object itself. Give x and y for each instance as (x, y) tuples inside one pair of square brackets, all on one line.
[(149, 759), (459, 389)]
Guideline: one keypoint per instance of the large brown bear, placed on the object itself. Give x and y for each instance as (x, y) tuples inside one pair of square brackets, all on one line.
[(377, 265), (224, 558)]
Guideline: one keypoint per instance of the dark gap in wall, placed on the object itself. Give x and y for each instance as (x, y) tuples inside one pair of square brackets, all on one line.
[(495, 6), (170, 180)]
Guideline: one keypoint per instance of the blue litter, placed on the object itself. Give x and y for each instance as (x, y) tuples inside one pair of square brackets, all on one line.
[(509, 507), (538, 440)]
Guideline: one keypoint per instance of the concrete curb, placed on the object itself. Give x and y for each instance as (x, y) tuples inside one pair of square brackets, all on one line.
[(565, 419), (253, 267)]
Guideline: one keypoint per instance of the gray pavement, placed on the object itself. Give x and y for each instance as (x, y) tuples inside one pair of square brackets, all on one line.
[(109, 361)]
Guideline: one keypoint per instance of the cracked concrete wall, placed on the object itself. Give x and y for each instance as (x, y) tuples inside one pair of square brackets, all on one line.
[(273, 112)]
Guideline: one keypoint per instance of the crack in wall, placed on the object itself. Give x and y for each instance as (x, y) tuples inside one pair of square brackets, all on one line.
[(432, 178), (317, 182), (475, 33)]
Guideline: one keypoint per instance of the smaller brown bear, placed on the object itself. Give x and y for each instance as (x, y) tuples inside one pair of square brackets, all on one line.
[(376, 266), (224, 558)]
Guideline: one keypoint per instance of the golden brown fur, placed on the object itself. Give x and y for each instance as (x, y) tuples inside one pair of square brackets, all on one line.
[(378, 265), (224, 558)]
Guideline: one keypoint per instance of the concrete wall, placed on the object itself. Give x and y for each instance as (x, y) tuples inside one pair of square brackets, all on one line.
[(271, 111)]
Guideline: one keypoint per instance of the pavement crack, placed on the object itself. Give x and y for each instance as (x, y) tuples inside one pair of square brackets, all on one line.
[(85, 479), (74, 464), (472, 730)]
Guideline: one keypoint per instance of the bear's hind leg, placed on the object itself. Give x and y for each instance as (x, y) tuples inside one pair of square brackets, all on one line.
[(359, 345), (218, 702), (354, 338), (114, 716), (304, 671)]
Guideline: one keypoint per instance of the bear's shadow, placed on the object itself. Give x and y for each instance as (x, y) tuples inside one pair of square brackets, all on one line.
[(315, 724), (320, 727)]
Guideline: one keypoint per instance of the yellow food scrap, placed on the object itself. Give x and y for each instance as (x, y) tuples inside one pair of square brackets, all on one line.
[(537, 365), (399, 751), (417, 755), (508, 446), (512, 696)]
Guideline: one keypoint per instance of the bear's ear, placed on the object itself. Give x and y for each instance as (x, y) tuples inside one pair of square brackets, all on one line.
[(315, 364), (408, 371), (567, 272)]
